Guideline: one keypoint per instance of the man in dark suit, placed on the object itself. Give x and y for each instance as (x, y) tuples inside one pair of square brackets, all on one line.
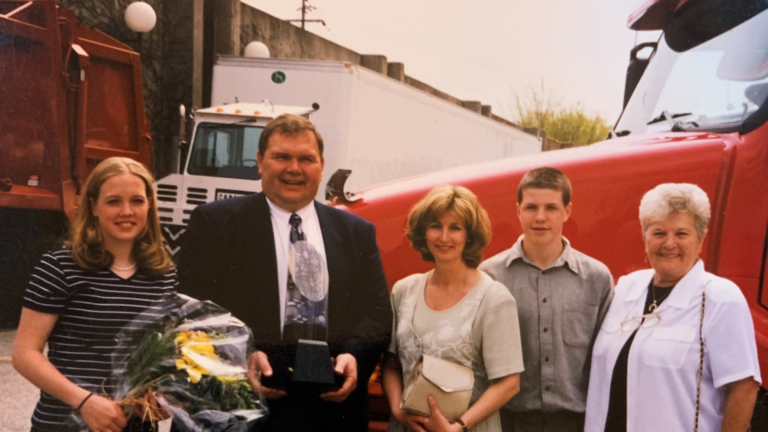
[(237, 253)]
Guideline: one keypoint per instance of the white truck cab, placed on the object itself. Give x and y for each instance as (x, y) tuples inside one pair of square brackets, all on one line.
[(221, 162)]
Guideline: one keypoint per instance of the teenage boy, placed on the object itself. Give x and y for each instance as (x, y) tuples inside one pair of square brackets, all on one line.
[(562, 297)]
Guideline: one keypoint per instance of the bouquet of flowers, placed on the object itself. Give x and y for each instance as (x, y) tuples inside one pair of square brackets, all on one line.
[(188, 358)]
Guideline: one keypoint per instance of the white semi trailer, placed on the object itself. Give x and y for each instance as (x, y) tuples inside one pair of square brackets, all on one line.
[(374, 127), (379, 128)]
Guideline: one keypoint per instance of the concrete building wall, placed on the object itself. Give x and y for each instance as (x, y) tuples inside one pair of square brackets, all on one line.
[(285, 40)]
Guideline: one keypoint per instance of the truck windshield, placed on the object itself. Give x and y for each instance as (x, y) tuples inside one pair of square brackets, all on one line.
[(714, 86), (225, 150)]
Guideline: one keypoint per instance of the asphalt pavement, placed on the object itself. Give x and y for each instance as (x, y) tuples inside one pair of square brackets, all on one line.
[(17, 396)]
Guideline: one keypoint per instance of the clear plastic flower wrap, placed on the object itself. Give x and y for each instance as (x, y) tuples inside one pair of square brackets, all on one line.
[(188, 358)]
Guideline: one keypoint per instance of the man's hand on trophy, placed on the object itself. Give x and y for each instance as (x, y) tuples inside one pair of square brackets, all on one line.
[(258, 364), (346, 365)]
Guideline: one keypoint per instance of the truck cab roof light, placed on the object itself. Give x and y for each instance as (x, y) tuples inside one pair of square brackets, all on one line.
[(219, 109), (256, 112)]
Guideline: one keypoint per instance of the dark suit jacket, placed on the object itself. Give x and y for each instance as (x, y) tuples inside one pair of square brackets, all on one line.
[(228, 257)]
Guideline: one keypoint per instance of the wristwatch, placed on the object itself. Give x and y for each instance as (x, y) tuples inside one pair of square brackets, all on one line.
[(464, 427)]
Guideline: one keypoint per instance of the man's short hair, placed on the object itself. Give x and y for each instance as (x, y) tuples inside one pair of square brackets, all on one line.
[(463, 204), (545, 178), (288, 124)]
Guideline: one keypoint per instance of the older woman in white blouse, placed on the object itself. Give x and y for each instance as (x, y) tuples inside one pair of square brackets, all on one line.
[(676, 351)]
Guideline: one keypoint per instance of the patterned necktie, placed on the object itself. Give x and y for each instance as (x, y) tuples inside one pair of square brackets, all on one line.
[(306, 302), (296, 232)]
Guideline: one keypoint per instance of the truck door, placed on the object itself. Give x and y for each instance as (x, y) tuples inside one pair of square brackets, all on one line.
[(104, 101)]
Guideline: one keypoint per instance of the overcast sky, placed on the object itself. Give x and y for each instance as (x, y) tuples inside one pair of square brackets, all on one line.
[(488, 49)]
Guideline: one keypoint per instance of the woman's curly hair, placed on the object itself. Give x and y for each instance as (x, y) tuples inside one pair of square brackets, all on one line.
[(462, 203)]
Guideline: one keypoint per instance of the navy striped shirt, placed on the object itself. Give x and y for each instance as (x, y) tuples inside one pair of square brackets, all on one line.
[(92, 308)]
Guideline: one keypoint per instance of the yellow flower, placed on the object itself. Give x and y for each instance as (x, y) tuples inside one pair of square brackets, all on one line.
[(196, 349), (194, 364), (200, 336), (194, 374), (202, 348), (181, 339)]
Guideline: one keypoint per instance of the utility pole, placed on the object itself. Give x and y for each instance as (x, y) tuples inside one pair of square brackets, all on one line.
[(305, 9)]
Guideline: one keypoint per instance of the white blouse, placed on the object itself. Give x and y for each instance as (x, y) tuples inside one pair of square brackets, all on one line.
[(664, 359)]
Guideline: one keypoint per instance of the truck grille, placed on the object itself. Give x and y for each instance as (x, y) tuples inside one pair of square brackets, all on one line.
[(167, 193), (197, 196), (165, 213)]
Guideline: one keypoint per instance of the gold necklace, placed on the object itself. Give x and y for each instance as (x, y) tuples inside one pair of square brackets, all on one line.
[(653, 307)]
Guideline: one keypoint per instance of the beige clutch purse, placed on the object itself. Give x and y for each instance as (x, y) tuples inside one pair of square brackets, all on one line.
[(449, 383)]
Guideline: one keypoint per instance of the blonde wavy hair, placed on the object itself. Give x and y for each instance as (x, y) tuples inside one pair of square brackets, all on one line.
[(87, 239), (461, 202)]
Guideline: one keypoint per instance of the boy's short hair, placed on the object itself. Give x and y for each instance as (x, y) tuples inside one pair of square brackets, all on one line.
[(545, 178)]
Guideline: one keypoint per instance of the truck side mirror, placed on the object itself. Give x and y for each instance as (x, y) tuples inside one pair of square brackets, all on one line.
[(334, 189), (181, 141), (636, 68)]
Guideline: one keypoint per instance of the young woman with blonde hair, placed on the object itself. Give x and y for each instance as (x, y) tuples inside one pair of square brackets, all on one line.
[(113, 267)]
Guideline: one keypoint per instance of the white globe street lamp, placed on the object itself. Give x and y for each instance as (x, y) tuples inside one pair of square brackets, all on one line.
[(140, 17), (257, 49)]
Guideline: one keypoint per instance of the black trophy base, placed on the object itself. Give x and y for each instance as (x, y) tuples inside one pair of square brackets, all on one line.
[(301, 367), (313, 371)]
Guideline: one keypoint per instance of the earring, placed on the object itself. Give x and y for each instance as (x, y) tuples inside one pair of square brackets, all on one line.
[(645, 258)]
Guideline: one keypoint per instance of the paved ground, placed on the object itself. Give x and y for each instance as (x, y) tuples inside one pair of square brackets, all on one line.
[(17, 396)]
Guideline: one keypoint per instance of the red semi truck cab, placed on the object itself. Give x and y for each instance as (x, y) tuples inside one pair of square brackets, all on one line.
[(697, 115)]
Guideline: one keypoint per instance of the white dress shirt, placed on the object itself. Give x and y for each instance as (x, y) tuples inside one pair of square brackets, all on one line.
[(664, 360), (281, 228)]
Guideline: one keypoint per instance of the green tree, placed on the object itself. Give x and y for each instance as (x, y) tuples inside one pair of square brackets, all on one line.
[(566, 123)]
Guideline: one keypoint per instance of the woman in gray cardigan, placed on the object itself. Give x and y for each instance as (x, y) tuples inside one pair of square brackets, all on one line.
[(454, 312)]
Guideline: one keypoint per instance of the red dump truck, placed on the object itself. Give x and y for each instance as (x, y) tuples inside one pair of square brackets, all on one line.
[(697, 114), (71, 97)]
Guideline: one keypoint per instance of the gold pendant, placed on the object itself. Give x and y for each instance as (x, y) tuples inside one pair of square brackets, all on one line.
[(652, 307)]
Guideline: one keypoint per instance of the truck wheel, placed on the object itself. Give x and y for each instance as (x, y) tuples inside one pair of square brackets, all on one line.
[(25, 235)]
